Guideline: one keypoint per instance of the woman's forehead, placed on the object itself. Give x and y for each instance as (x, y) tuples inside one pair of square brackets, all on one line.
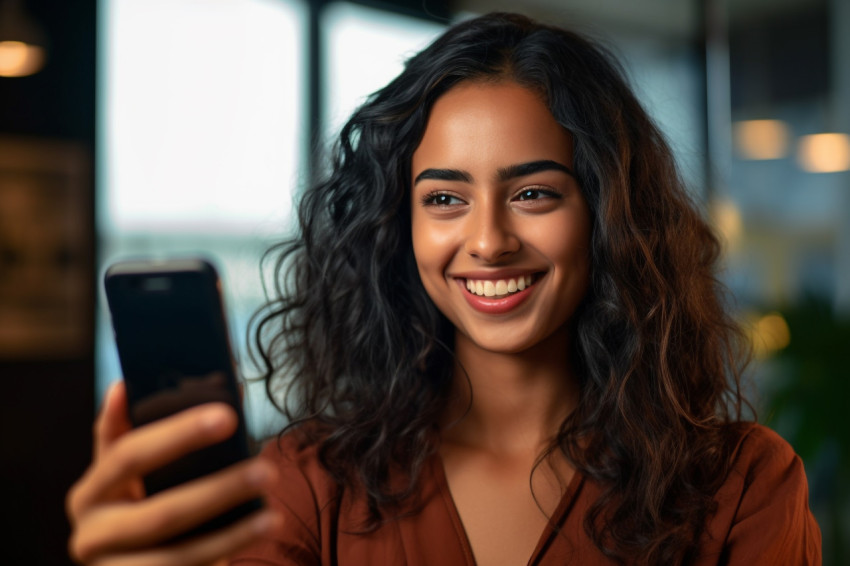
[(501, 124)]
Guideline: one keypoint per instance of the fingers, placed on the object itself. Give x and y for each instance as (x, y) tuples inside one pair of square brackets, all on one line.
[(202, 550), (111, 423), (115, 525), (147, 448), (126, 525), (113, 420)]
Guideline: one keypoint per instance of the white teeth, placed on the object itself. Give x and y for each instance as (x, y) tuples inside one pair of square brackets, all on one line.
[(490, 288)]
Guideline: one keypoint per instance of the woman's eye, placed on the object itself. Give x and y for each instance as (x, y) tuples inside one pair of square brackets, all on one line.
[(535, 194), (441, 199)]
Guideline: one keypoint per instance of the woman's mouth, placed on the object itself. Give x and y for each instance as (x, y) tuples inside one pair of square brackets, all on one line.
[(499, 288), (498, 296)]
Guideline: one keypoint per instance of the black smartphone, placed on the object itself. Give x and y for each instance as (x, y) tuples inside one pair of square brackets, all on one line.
[(173, 344)]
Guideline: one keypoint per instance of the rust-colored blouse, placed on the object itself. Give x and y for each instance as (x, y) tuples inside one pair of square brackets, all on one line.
[(763, 517)]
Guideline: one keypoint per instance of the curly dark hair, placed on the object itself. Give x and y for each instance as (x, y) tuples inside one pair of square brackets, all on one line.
[(658, 355)]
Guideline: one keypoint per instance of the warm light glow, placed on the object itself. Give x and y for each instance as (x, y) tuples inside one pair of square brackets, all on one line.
[(761, 139), (18, 59), (824, 153), (769, 334), (727, 220)]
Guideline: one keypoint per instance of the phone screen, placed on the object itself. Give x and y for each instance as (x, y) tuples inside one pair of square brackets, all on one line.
[(175, 353), (171, 335)]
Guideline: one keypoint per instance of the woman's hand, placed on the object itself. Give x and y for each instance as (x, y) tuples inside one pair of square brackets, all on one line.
[(114, 524)]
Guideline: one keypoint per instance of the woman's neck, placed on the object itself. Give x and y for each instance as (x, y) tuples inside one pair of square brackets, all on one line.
[(510, 403)]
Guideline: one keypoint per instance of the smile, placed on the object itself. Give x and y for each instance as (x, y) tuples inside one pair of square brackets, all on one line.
[(498, 296), (499, 287)]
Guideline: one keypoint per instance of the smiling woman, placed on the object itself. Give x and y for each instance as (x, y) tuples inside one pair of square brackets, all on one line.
[(498, 339), (501, 329), (501, 237), (494, 201)]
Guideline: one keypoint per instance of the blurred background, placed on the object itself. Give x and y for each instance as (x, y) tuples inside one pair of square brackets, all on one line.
[(160, 127)]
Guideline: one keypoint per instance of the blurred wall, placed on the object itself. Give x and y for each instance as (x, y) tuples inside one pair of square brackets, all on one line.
[(47, 405)]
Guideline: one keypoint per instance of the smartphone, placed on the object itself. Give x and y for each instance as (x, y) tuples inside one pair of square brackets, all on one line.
[(173, 344)]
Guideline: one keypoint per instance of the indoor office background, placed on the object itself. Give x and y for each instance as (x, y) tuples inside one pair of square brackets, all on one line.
[(159, 127)]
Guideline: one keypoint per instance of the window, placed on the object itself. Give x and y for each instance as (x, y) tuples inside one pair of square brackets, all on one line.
[(200, 139), (203, 133), (366, 49)]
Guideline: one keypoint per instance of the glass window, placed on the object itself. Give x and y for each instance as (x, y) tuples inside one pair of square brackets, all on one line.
[(203, 132), (199, 144), (365, 49)]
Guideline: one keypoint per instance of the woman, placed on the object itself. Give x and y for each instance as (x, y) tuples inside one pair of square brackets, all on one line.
[(498, 339)]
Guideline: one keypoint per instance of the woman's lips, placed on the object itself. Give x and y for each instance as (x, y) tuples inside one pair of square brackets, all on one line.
[(497, 296)]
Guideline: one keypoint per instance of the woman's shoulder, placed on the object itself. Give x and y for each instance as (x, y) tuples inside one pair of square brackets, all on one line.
[(761, 457), (764, 463), (304, 494), (760, 446), (295, 455), (303, 486), (763, 505)]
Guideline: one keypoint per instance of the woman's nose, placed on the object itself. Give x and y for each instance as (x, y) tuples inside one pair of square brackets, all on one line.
[(490, 236)]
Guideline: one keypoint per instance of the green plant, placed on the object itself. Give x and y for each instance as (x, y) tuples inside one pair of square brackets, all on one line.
[(808, 402)]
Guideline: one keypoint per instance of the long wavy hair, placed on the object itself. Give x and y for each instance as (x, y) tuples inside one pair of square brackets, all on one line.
[(353, 344)]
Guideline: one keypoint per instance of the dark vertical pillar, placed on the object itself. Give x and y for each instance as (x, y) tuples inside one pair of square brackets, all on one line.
[(48, 399), (718, 119), (315, 89)]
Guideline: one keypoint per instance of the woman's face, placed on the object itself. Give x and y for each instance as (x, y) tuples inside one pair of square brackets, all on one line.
[(501, 231)]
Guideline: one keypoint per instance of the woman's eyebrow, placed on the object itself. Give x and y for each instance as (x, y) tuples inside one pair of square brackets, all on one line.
[(504, 174), (523, 169), (444, 175)]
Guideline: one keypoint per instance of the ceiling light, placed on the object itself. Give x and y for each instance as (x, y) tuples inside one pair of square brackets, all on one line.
[(728, 222), (824, 153), (22, 41), (761, 139)]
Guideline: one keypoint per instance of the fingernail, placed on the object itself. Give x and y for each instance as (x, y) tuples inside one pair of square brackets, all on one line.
[(214, 417), (263, 523), (259, 473), (110, 389)]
